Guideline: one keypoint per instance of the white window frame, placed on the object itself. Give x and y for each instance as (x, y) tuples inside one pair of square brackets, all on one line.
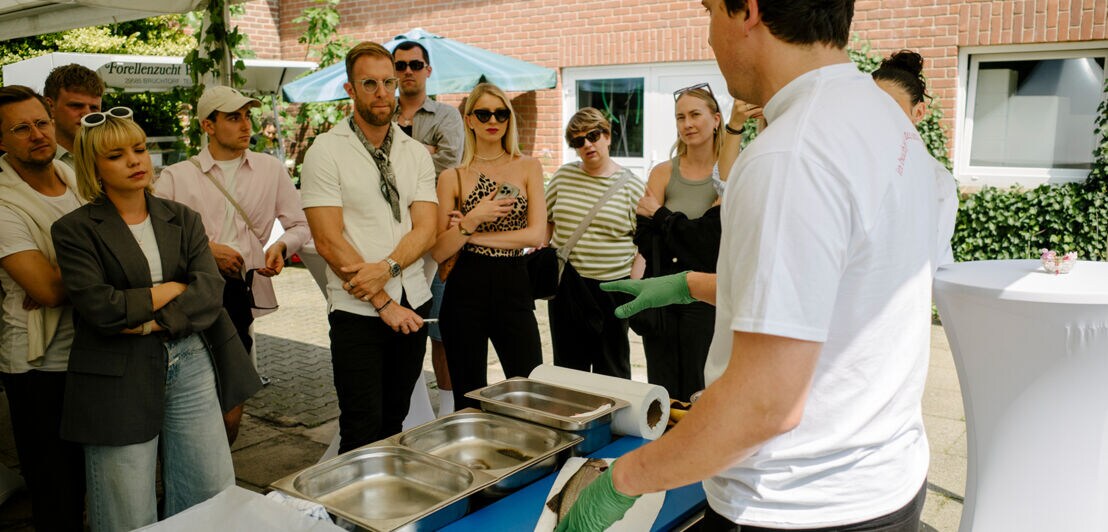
[(969, 59)]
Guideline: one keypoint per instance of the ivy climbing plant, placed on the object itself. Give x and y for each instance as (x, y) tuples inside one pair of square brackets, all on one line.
[(218, 42)]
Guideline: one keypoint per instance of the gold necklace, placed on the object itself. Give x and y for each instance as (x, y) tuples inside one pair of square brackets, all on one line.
[(480, 158)]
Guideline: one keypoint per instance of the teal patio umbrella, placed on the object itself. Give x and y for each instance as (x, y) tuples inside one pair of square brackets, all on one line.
[(456, 67)]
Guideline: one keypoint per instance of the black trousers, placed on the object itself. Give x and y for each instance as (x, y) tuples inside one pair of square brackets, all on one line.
[(238, 305), (53, 468), (584, 329), (906, 519), (375, 369), (677, 350), (488, 298)]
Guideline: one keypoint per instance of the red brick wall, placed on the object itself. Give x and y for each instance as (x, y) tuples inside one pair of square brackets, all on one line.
[(566, 33)]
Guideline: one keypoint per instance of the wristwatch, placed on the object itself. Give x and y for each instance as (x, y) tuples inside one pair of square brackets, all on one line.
[(394, 267)]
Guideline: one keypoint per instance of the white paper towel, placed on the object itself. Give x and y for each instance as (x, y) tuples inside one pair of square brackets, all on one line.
[(649, 410)]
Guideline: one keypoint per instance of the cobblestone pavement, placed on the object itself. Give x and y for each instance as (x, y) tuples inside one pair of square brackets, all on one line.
[(289, 424)]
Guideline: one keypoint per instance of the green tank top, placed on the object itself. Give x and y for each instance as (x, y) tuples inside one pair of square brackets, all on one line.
[(691, 198)]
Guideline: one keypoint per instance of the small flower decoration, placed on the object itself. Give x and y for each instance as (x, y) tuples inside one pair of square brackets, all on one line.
[(1055, 263)]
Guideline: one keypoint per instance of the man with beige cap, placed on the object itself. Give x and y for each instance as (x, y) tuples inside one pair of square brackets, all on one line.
[(239, 194)]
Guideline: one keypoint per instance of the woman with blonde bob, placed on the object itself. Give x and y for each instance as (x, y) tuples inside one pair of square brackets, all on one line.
[(500, 212), (150, 337)]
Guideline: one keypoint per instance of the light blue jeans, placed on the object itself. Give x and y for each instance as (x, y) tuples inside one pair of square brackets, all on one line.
[(196, 460)]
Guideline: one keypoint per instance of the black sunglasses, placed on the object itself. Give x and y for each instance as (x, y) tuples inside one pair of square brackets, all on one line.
[(591, 136), (416, 65), (699, 86), (483, 115)]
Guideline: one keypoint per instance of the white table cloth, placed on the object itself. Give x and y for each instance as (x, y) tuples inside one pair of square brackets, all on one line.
[(1031, 349)]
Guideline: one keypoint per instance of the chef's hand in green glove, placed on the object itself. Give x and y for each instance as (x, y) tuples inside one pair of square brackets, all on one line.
[(649, 293), (597, 508)]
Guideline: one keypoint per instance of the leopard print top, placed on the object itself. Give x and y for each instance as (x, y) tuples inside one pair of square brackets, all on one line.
[(517, 219)]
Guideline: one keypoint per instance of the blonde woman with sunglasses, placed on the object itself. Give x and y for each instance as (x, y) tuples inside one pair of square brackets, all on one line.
[(502, 212), (679, 229), (150, 333)]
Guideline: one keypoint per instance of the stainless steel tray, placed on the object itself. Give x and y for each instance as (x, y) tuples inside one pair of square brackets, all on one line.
[(387, 488), (547, 404), (513, 451)]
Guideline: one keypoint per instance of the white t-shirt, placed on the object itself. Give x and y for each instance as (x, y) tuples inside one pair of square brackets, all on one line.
[(829, 234), (339, 172), (16, 237), (144, 235), (227, 233)]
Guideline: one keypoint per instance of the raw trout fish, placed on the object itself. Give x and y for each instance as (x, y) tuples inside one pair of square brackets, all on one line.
[(562, 501)]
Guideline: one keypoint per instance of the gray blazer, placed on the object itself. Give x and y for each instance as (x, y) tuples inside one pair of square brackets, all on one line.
[(115, 387)]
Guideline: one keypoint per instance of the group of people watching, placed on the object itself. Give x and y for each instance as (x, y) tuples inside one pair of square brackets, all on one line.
[(128, 298)]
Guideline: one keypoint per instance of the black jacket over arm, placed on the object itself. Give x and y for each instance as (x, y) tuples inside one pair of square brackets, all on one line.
[(671, 242), (115, 388)]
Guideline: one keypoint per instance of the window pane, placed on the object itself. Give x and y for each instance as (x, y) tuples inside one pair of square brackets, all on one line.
[(621, 101), (1036, 113)]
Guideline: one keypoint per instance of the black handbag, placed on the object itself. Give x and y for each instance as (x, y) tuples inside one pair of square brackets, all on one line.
[(544, 267), (650, 321)]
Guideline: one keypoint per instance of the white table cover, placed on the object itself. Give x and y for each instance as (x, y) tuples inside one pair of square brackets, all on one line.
[(1031, 350)]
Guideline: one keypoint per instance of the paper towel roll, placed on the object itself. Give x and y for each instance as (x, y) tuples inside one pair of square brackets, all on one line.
[(649, 410)]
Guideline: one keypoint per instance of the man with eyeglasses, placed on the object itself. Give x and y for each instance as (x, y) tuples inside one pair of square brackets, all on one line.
[(36, 326), (239, 194), (72, 91), (812, 417), (369, 194), (439, 128)]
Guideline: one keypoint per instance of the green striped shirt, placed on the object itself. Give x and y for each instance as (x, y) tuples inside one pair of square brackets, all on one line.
[(606, 250)]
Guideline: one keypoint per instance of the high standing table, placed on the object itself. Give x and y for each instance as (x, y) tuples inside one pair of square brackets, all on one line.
[(1031, 350)]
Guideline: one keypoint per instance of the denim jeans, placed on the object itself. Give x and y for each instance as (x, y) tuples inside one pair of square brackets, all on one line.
[(196, 460)]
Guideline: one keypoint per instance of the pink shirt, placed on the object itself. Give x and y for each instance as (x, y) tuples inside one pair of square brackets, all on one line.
[(265, 192)]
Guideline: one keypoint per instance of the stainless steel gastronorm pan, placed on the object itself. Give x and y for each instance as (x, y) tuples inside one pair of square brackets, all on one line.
[(513, 451), (547, 404), (386, 488)]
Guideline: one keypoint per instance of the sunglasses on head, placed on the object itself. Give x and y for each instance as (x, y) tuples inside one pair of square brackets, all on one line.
[(591, 136), (483, 115), (699, 86), (370, 85), (97, 118), (415, 65)]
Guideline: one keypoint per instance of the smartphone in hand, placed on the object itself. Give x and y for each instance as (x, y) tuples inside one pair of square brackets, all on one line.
[(506, 191)]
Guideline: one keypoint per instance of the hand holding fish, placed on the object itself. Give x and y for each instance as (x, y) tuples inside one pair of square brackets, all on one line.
[(597, 507)]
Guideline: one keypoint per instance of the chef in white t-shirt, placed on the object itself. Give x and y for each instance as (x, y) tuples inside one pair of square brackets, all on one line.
[(812, 415)]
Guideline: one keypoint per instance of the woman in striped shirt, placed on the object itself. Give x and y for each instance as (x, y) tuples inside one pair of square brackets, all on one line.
[(585, 332)]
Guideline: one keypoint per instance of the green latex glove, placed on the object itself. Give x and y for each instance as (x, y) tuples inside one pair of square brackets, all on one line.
[(649, 293), (597, 508)]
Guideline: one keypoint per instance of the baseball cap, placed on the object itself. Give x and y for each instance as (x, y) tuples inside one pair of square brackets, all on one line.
[(223, 99)]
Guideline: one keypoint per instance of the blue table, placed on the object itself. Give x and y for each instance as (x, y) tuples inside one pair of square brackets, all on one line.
[(521, 510)]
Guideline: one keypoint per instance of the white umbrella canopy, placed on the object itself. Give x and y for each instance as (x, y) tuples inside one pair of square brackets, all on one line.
[(23, 18)]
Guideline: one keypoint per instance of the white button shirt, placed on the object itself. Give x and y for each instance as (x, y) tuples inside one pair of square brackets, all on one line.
[(339, 172)]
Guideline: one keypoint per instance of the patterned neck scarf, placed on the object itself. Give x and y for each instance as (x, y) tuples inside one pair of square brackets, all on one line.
[(381, 157)]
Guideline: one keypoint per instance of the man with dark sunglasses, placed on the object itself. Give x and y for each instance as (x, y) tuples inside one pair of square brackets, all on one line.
[(439, 128)]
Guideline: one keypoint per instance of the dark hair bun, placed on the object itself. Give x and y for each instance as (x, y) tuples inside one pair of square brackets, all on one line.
[(905, 60)]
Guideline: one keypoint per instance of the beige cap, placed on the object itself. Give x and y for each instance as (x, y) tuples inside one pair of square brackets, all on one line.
[(223, 99)]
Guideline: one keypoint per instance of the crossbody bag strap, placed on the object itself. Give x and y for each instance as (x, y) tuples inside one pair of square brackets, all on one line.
[(563, 251), (458, 197), (235, 204)]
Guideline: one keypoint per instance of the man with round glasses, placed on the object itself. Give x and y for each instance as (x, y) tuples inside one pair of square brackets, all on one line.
[(36, 331), (369, 194), (239, 194), (72, 91), (439, 128)]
